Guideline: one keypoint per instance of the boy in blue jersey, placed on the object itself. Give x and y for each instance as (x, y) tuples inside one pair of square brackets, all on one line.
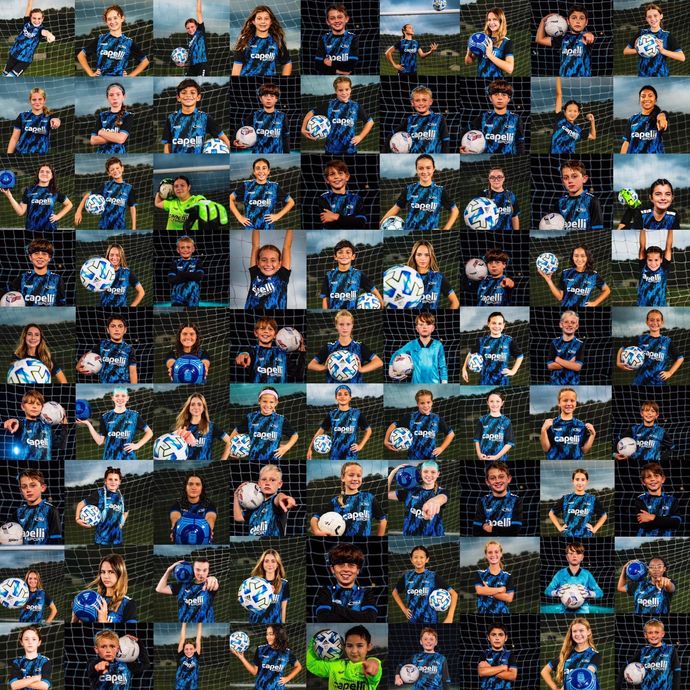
[(565, 437), (502, 130), (651, 439), (409, 50), (114, 50), (22, 51), (340, 208), (111, 504), (269, 273), (118, 358), (566, 131), (433, 666), (32, 437), (38, 518), (188, 659), (428, 130), (566, 359), (345, 424), (428, 356), (505, 200), (194, 597), (343, 114), (186, 129), (645, 130), (185, 274), (197, 60), (652, 594), (498, 513), (658, 513), (574, 575), (268, 362), (655, 266), (342, 285), (40, 287), (497, 670), (271, 125), (574, 46), (581, 210), (32, 669), (657, 215), (106, 671), (495, 288), (578, 510), (338, 49)]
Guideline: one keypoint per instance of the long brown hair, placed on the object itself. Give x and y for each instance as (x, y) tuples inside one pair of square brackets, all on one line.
[(259, 570), (42, 351), (184, 417), (249, 30), (120, 589), (568, 646)]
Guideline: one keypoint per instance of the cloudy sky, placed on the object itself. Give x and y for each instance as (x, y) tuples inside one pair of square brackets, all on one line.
[(583, 90), (626, 243), (320, 469), (473, 318), (543, 398), (14, 94), (556, 477), (673, 94), (316, 241), (630, 321), (403, 396), (323, 85), (472, 550), (394, 166), (86, 163), (248, 394), (19, 317), (89, 94), (628, 172), (170, 16), (104, 235), (20, 558), (440, 23), (89, 13), (14, 9), (95, 391), (324, 394), (79, 473)]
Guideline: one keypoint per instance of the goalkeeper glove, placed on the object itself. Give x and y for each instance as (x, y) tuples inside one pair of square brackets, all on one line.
[(209, 215), (628, 197)]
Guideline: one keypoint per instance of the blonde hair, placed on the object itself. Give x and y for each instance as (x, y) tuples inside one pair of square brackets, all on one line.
[(341, 497), (495, 543), (344, 313), (38, 89), (259, 570), (433, 263), (502, 31), (424, 90), (120, 589), (39, 581), (121, 249), (568, 646), (184, 417)]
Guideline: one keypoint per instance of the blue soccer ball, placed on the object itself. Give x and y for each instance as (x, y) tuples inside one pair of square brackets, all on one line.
[(239, 641), (255, 594), (636, 571), (478, 42), (439, 5), (14, 593), (183, 572), (368, 300), (581, 679), (547, 263), (646, 46), (240, 446), (7, 179), (90, 514), (440, 600), (179, 56), (319, 126), (82, 409), (188, 369), (407, 477), (95, 204), (97, 274), (191, 531), (170, 447), (28, 371), (481, 214), (328, 644), (403, 288), (633, 357), (86, 604), (475, 362), (342, 365)]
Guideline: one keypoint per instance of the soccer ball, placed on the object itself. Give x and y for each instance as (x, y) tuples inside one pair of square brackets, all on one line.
[(86, 604), (52, 413), (239, 641), (215, 146), (481, 214), (191, 531), (14, 593), (188, 369), (90, 514), (475, 362), (29, 371), (322, 444), (475, 269), (439, 5), (249, 495), (246, 136), (7, 179), (626, 446), (473, 142), (11, 534), (401, 142), (555, 25), (633, 357), (165, 188), (439, 600), (95, 204), (368, 300), (342, 365), (129, 650), (91, 362), (170, 447), (629, 197), (571, 598), (409, 673), (97, 274), (240, 446), (646, 46), (393, 223), (634, 673), (179, 56), (183, 572), (319, 126), (401, 438), (255, 594), (332, 523), (12, 299), (407, 477), (82, 409), (328, 644), (288, 339), (552, 221), (403, 288), (401, 367), (636, 571), (477, 43), (581, 679), (547, 263)]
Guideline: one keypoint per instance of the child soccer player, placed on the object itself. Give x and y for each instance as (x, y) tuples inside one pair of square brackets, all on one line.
[(271, 126), (496, 350), (114, 50), (38, 518), (118, 358), (193, 423), (261, 47), (498, 513), (493, 432), (645, 130), (117, 429), (337, 51), (185, 274), (565, 437), (270, 567), (345, 601), (260, 198), (497, 59), (578, 510), (428, 130), (423, 259), (655, 266), (197, 60), (113, 126), (502, 129), (667, 46), (342, 285), (580, 209), (117, 294), (505, 200), (565, 359), (269, 273), (270, 518), (574, 46), (411, 592), (574, 576), (185, 130), (187, 342), (433, 666), (40, 287), (566, 132), (106, 671), (340, 208), (32, 437), (657, 215), (495, 288), (39, 607), (343, 114), (409, 50), (272, 659), (22, 51), (659, 352), (111, 504), (188, 659), (32, 670), (267, 362), (119, 196), (33, 344), (577, 651), (32, 128), (194, 597), (428, 356), (493, 586), (652, 440), (425, 199), (179, 205), (652, 595), (425, 426), (497, 669), (657, 512)]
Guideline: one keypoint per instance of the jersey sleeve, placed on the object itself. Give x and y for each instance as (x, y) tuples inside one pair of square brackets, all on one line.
[(443, 135), (167, 138), (377, 509), (91, 47), (446, 200), (212, 127), (136, 53), (632, 218), (288, 430), (367, 354), (284, 55), (401, 201), (596, 218)]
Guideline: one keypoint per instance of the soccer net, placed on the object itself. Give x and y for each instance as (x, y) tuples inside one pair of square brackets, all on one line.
[(51, 647)]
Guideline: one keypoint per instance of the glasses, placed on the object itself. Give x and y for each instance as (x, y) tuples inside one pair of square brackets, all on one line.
[(497, 177)]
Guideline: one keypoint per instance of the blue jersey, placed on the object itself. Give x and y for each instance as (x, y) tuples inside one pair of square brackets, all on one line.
[(578, 286), (41, 524), (496, 352), (348, 205), (415, 524), (566, 436), (487, 69), (357, 599), (113, 53), (652, 285), (661, 665), (119, 429), (344, 426), (497, 657), (117, 676), (342, 288), (659, 354), (408, 49), (274, 613), (642, 133), (265, 432), (565, 135), (21, 668), (118, 123), (260, 200), (576, 58), (487, 603), (502, 131), (433, 671), (267, 292), (40, 205), (194, 603), (425, 204), (343, 116), (341, 49), (126, 611), (429, 361), (27, 41), (34, 132), (435, 285), (45, 290), (204, 442), (358, 511), (667, 517), (186, 132), (577, 511), (429, 132), (587, 658), (196, 45), (111, 505), (268, 520), (566, 578), (656, 66), (503, 513), (644, 218), (507, 205), (187, 673), (356, 347), (116, 358), (582, 212), (268, 364), (272, 665), (414, 588), (272, 132), (569, 350), (491, 293), (116, 294), (648, 599), (32, 441), (185, 276), (493, 433), (37, 607), (651, 442), (425, 429), (261, 56)]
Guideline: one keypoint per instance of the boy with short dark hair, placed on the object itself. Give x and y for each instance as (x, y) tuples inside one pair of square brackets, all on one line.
[(497, 668), (342, 285), (580, 209), (498, 513), (271, 125), (267, 361), (40, 287), (338, 49), (574, 46), (574, 576), (495, 288), (658, 513), (428, 355), (652, 440), (38, 518), (340, 209), (33, 437), (118, 358)]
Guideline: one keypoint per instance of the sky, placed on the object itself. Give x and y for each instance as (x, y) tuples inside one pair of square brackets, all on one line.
[(89, 13), (170, 16), (324, 394), (248, 394), (14, 9), (323, 85), (556, 478), (287, 11), (104, 235), (472, 550), (673, 94), (623, 543), (86, 163), (163, 83), (89, 95), (78, 473), (626, 243), (23, 558), (396, 166), (316, 241), (403, 396), (320, 469), (543, 398), (629, 172), (588, 90), (14, 94), (95, 391), (473, 318), (630, 321), (20, 317)]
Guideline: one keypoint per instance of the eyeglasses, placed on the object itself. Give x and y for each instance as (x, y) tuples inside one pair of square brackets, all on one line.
[(497, 177)]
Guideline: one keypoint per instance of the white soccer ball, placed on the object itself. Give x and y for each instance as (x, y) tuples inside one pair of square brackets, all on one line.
[(255, 594), (403, 288), (547, 263), (634, 673), (11, 534), (322, 444), (552, 221), (401, 438), (288, 339), (28, 371), (12, 299), (179, 56), (246, 136), (215, 146), (646, 46), (97, 274), (481, 214), (633, 357), (572, 597), (14, 593), (368, 300), (92, 362), (439, 5), (52, 413), (439, 600), (319, 126), (165, 188), (401, 142), (239, 641), (240, 446), (328, 644), (249, 495), (409, 674), (95, 204), (170, 447), (475, 362), (90, 514), (626, 446), (401, 367), (129, 650), (555, 25), (473, 142), (342, 365), (475, 270), (392, 223), (332, 523)]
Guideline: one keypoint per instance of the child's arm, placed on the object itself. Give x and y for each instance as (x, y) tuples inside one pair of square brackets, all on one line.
[(80, 209), (446, 442), (389, 56), (621, 585), (141, 66), (642, 252), (245, 662), (368, 126), (668, 249), (98, 438), (285, 447), (314, 526), (511, 371), (598, 524), (319, 667), (451, 609), (592, 126), (387, 443), (393, 211), (303, 129), (148, 435), (183, 637), (465, 375), (560, 526), (672, 54), (587, 446), (84, 64), (433, 506), (605, 292), (555, 291), (547, 677), (392, 494), (485, 670), (284, 680), (666, 375), (19, 208), (12, 144), (544, 435), (256, 244), (241, 219), (507, 64), (133, 216), (359, 446), (542, 39), (133, 375), (559, 96), (310, 450), (441, 365), (287, 241)]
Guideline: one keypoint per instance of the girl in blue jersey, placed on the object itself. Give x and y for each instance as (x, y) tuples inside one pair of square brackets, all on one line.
[(493, 432), (493, 586), (423, 260), (113, 126), (652, 595), (40, 607), (188, 659), (577, 651), (261, 46), (645, 129), (194, 425), (578, 523), (269, 273), (433, 667), (657, 215), (32, 128), (497, 59), (32, 344), (188, 342), (270, 567), (565, 437), (193, 506), (33, 670), (409, 50), (116, 295), (505, 200), (358, 508), (577, 283), (22, 51), (110, 501), (566, 132)]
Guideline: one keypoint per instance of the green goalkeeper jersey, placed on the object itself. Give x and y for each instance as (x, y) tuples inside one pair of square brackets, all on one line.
[(343, 674), (177, 211)]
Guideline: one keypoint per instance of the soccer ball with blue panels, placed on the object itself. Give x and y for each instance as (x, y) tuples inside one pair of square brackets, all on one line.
[(401, 438), (481, 214), (28, 371), (439, 600), (90, 514), (547, 263), (86, 604), (403, 288), (95, 204), (392, 223), (478, 43), (179, 56), (170, 447), (368, 300), (328, 644), (646, 46), (14, 593), (239, 641), (240, 445), (97, 274), (475, 362), (255, 594), (191, 531), (322, 444), (319, 126), (342, 365), (439, 5), (633, 357), (215, 146)]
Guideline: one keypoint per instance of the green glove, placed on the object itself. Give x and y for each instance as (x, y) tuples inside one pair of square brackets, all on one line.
[(628, 197), (209, 214)]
